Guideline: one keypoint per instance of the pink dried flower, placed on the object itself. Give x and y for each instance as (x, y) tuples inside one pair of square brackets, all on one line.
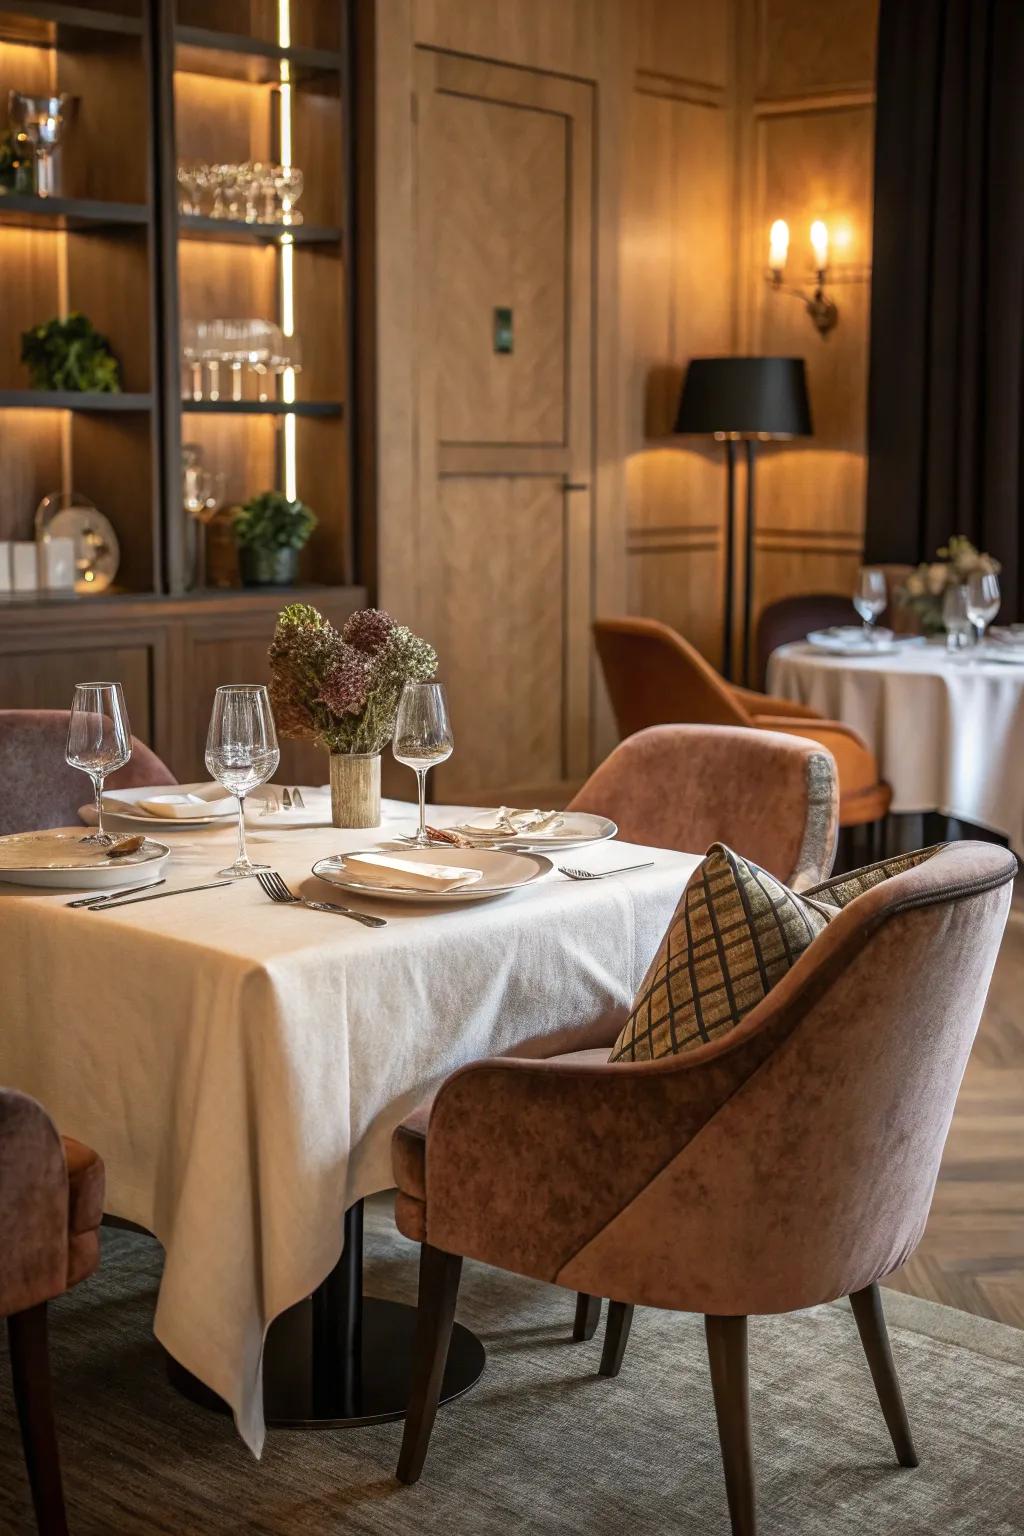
[(368, 629), (346, 685)]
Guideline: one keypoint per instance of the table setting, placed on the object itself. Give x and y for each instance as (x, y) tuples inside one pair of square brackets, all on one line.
[(242, 1016)]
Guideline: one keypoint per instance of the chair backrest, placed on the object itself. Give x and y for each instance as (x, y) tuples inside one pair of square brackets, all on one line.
[(655, 677), (792, 618), (33, 1205), (773, 798), (38, 788), (812, 1174), (903, 620)]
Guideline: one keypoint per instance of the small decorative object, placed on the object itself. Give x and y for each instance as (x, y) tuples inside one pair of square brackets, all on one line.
[(202, 492), (42, 119), (57, 569), (269, 530), (97, 554), (17, 163), (925, 589), (24, 571), (70, 354), (341, 690)]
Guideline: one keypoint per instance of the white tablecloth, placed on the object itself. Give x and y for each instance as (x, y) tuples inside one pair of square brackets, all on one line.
[(948, 732), (240, 1066)]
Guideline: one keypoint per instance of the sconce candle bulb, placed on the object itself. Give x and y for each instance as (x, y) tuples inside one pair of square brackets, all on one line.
[(778, 248), (819, 244)]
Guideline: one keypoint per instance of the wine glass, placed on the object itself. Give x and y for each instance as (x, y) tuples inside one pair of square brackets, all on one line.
[(423, 738), (242, 753), (870, 597), (954, 617), (983, 599), (99, 741)]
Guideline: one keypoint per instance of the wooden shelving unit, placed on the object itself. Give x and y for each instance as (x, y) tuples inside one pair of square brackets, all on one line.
[(160, 82)]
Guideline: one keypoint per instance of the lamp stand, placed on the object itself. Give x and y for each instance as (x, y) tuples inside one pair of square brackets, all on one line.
[(750, 445), (730, 546), (741, 672)]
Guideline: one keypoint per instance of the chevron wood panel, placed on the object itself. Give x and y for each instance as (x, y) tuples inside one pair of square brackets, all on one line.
[(972, 1254)]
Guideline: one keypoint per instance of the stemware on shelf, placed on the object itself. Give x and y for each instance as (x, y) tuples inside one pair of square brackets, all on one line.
[(242, 753), (203, 492), (99, 741), (983, 599), (43, 120), (423, 738), (251, 192), (870, 597), (253, 344)]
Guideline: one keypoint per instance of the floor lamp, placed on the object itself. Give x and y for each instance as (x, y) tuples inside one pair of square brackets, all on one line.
[(749, 400)]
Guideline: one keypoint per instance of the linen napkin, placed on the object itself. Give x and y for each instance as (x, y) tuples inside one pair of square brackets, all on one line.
[(507, 823), (408, 875), (183, 803)]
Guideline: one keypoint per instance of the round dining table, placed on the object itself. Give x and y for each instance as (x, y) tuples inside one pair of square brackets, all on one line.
[(947, 729)]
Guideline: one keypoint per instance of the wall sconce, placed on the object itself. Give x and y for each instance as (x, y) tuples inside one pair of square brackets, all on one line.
[(823, 311)]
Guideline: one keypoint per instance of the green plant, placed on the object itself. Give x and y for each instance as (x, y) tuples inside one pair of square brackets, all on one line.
[(70, 354), (272, 521)]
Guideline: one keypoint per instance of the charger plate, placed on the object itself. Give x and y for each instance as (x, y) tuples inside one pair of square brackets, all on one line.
[(60, 860), (502, 872)]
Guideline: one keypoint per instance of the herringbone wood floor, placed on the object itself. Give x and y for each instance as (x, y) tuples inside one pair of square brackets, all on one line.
[(972, 1254)]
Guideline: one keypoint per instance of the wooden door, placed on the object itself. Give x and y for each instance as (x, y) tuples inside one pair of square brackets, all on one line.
[(504, 527)]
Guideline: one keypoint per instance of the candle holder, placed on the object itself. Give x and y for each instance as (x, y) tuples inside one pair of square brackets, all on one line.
[(42, 119), (820, 306)]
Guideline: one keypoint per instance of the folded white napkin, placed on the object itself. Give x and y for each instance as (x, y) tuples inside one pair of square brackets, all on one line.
[(382, 869), (507, 822), (182, 804)]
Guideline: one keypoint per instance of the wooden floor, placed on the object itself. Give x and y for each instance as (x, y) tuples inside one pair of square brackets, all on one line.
[(972, 1255)]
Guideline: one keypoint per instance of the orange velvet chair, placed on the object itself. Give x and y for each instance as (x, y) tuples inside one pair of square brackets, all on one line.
[(51, 1206), (785, 1164), (654, 677)]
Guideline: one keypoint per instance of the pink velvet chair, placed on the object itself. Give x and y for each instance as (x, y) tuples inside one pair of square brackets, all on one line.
[(38, 788), (786, 1164), (51, 1206)]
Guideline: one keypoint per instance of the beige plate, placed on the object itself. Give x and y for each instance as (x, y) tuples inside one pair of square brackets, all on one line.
[(502, 872), (60, 860)]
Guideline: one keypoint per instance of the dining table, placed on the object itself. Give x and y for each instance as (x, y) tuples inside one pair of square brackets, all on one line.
[(240, 1066), (947, 728)]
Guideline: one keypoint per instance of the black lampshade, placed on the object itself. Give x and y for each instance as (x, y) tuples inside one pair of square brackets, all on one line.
[(755, 395)]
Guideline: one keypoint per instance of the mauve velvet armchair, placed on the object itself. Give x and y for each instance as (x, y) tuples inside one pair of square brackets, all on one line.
[(38, 788), (51, 1206), (786, 1164)]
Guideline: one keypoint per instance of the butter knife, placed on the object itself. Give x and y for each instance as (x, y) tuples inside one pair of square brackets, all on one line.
[(126, 890), (181, 890)]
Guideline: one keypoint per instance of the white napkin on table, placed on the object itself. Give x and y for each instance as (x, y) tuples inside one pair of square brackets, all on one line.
[(382, 869), (183, 803), (506, 822)]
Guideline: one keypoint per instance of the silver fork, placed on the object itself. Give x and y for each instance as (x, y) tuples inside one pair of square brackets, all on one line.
[(273, 886), (599, 874)]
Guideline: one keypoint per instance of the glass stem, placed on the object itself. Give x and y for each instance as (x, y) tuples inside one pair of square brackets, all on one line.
[(243, 857), (97, 785), (421, 783)]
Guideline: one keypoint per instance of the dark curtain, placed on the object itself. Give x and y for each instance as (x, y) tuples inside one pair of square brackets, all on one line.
[(947, 308)]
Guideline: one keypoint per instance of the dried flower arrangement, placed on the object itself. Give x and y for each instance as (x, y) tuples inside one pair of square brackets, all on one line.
[(926, 587)]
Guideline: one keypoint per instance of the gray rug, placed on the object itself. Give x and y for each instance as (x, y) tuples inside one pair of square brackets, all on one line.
[(542, 1444)]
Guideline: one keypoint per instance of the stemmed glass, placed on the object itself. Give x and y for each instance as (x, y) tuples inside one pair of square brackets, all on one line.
[(870, 597), (242, 753), (99, 741), (423, 738), (983, 599)]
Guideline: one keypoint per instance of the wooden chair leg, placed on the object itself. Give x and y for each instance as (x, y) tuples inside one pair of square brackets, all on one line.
[(867, 1309), (616, 1335), (439, 1287), (588, 1315), (30, 1368), (727, 1356)]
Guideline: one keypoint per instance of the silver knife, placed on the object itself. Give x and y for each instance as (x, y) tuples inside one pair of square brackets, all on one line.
[(181, 890), (126, 890)]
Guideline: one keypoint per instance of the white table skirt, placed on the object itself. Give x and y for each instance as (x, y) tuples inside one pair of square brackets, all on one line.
[(241, 1066), (948, 734)]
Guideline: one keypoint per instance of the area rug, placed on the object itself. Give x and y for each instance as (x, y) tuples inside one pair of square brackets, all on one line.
[(542, 1444)]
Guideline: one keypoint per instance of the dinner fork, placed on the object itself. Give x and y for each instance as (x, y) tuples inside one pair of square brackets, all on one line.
[(273, 886), (599, 874)]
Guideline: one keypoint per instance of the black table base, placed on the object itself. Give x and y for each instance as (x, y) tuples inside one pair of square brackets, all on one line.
[(341, 1359)]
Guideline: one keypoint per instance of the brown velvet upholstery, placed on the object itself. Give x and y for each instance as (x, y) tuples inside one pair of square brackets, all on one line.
[(793, 618), (772, 798), (655, 677), (789, 1163), (38, 788)]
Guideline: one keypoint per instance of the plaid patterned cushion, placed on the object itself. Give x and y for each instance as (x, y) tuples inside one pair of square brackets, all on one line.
[(736, 931), (844, 888)]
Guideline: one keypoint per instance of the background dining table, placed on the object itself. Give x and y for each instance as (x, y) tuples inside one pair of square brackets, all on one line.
[(947, 730), (240, 1066)]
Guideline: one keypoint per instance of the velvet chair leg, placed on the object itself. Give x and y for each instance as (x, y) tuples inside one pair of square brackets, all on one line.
[(616, 1335), (588, 1315), (867, 1309), (727, 1356), (439, 1287), (30, 1368)]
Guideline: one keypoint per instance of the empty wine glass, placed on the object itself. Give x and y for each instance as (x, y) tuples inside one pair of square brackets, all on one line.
[(288, 184), (241, 754), (99, 741), (983, 599), (955, 619), (870, 597), (423, 738)]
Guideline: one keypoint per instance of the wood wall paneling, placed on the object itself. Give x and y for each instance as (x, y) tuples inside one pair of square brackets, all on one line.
[(803, 46)]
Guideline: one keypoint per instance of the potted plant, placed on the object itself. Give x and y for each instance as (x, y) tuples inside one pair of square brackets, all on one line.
[(269, 531), (341, 690), (70, 354)]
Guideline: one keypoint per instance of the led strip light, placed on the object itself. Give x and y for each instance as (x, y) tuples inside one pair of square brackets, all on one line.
[(287, 249)]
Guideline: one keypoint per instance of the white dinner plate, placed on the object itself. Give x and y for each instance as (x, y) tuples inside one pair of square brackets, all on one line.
[(501, 872), (577, 828), (848, 640), (59, 859)]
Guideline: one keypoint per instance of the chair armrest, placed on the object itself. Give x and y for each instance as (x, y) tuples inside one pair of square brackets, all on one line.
[(33, 1205), (760, 704), (855, 761)]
